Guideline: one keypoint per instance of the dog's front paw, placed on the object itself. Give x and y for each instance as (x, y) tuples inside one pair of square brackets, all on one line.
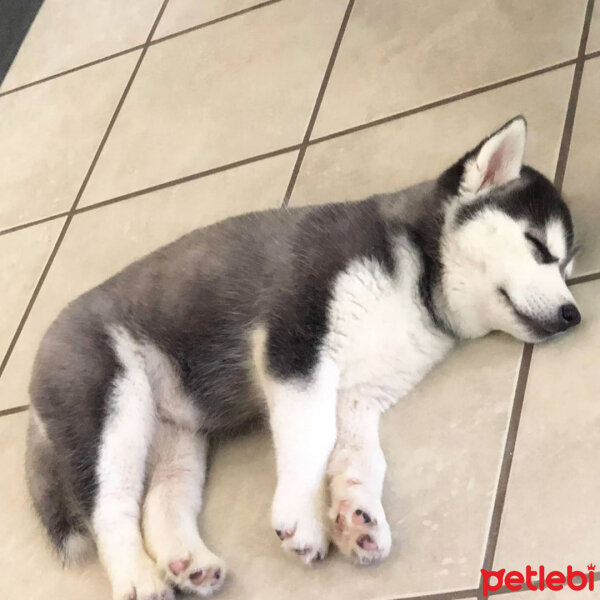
[(357, 522), (300, 527)]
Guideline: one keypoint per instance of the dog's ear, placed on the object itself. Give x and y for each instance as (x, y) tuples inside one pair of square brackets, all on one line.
[(495, 161)]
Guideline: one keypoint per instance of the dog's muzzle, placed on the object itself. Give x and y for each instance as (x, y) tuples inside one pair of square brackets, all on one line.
[(567, 316)]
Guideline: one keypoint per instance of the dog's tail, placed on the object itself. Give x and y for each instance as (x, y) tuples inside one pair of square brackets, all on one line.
[(64, 525)]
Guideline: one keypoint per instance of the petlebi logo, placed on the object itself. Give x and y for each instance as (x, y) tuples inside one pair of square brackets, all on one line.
[(538, 580)]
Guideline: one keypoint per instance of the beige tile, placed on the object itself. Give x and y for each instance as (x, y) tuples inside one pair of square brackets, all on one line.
[(582, 179), (244, 87), (551, 510), (443, 445), (181, 14), (23, 255), (399, 55), (48, 136), (68, 34), (101, 242), (394, 155), (29, 569), (593, 42)]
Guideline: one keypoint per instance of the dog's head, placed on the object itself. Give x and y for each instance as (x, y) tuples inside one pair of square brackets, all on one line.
[(507, 243)]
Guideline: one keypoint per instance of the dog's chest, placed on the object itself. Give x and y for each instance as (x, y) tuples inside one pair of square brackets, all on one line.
[(380, 333)]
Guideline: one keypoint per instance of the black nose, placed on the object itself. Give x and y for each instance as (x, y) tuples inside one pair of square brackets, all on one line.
[(568, 316)]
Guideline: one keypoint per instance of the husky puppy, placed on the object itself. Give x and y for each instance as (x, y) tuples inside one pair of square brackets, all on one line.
[(318, 318)]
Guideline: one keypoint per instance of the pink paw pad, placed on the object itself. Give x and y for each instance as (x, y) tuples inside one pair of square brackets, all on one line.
[(366, 542), (178, 566), (360, 517), (204, 576), (284, 534)]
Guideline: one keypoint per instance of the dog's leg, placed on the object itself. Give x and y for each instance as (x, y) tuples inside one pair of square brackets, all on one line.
[(356, 472), (171, 508), (302, 416), (126, 439)]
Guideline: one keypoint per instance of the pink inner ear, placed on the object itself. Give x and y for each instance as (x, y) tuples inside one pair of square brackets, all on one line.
[(494, 164)]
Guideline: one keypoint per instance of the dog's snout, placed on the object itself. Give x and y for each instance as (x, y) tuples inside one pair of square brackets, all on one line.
[(568, 316)]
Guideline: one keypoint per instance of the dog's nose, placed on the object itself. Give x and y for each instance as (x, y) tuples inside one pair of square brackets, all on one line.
[(568, 316)]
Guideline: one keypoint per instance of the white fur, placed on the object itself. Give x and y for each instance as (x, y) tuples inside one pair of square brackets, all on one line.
[(491, 252), (356, 472), (555, 239), (126, 438), (302, 417), (171, 508), (381, 335), (77, 549), (384, 342)]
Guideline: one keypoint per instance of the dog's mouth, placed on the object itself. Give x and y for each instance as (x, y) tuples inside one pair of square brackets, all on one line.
[(535, 327)]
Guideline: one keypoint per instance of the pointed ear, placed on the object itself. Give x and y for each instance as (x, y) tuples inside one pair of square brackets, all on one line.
[(495, 161)]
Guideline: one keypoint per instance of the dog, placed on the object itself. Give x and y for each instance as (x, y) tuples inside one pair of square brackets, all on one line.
[(318, 319)]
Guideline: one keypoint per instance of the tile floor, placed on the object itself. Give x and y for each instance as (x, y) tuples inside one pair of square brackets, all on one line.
[(123, 126)]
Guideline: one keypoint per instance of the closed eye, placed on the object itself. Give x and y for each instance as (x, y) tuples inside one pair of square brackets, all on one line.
[(544, 254)]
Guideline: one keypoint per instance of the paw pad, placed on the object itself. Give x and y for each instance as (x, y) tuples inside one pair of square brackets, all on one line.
[(178, 566), (366, 542), (360, 516), (284, 534)]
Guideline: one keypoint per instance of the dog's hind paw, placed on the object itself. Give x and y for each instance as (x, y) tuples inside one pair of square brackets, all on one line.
[(197, 572)]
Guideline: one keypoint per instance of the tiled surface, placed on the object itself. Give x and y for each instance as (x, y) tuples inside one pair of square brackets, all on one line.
[(69, 34), (553, 492), (398, 55), (182, 14), (23, 256), (582, 179), (48, 136), (247, 86), (205, 99)]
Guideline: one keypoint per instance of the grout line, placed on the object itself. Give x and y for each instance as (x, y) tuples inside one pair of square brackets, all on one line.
[(32, 223), (513, 427), (14, 410), (584, 278), (591, 55), (71, 213), (447, 100), (317, 106), (188, 178), (509, 448), (243, 11), (72, 70), (561, 164)]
